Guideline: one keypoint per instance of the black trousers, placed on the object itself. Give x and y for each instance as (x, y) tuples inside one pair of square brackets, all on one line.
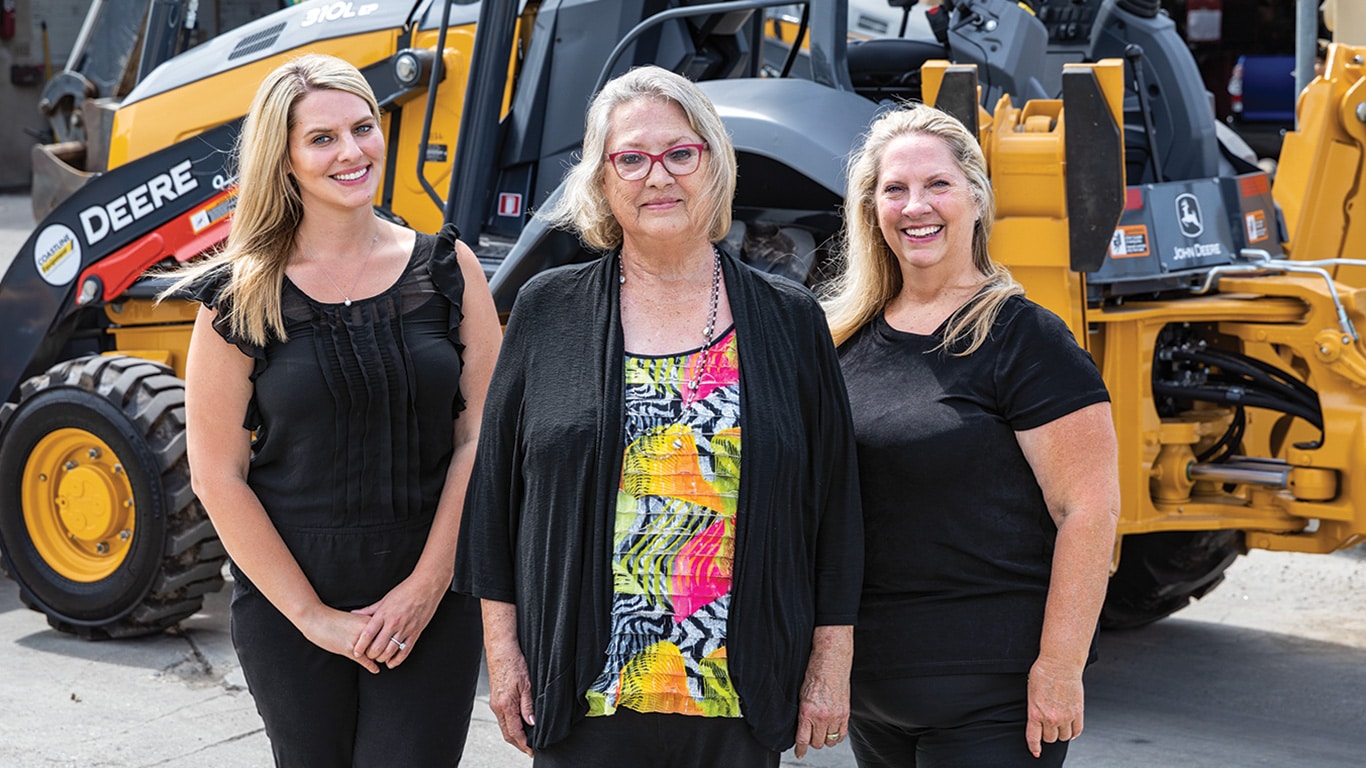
[(325, 711), (630, 739), (943, 721)]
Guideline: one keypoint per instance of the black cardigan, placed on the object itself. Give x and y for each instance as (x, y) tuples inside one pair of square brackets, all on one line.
[(540, 508)]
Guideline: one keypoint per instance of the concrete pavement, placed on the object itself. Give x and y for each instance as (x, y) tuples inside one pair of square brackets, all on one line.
[(176, 700)]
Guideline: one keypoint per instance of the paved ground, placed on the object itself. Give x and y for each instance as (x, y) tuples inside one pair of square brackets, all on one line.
[(1269, 670)]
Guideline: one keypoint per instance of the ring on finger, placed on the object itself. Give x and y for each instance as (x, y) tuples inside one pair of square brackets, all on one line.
[(402, 646), (832, 737)]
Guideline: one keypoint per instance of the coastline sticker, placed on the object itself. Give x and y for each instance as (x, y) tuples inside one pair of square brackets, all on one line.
[(57, 254)]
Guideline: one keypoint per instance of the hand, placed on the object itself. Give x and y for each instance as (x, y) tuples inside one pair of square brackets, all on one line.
[(1056, 703), (823, 715), (336, 631), (510, 694), (396, 621)]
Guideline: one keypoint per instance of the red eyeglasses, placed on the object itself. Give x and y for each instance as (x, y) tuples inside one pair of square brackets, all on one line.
[(635, 164)]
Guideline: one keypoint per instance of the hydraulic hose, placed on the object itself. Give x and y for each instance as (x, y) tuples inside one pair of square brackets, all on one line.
[(1241, 370), (1237, 395)]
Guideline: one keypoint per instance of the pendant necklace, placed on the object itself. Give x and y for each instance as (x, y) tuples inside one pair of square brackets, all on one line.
[(346, 295)]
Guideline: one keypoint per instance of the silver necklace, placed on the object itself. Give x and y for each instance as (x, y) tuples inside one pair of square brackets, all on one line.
[(694, 382), (713, 303), (346, 295)]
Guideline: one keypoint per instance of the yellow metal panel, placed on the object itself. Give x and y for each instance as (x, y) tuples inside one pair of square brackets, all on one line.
[(148, 312), (156, 332), (410, 199), (162, 120), (1316, 181)]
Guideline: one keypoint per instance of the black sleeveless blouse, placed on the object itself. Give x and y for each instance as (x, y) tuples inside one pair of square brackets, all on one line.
[(353, 421)]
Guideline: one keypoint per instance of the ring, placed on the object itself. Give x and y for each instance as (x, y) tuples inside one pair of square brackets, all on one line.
[(402, 646), (832, 737)]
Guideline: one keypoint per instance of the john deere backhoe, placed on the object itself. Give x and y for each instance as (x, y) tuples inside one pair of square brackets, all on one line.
[(1225, 331)]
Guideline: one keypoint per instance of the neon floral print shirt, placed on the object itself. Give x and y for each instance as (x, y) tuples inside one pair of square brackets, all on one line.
[(674, 542)]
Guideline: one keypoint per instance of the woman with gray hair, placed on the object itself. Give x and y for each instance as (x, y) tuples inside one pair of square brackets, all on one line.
[(987, 463), (663, 522)]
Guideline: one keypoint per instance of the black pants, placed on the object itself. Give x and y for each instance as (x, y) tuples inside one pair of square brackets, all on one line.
[(325, 711), (630, 739), (943, 721)]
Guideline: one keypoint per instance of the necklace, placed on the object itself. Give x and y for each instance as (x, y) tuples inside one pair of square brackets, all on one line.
[(694, 382), (346, 295), (713, 302)]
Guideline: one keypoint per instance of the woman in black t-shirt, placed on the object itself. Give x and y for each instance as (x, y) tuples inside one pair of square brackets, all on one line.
[(987, 461), (334, 383)]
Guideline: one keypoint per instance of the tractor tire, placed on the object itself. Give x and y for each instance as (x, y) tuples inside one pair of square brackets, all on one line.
[(1160, 573), (98, 522)]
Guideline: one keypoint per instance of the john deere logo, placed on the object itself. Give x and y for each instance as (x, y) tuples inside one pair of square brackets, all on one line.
[(1188, 215)]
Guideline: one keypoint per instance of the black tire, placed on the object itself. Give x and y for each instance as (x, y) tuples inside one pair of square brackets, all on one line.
[(1160, 573), (136, 554)]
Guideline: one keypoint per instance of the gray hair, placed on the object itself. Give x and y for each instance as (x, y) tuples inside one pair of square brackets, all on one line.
[(583, 204)]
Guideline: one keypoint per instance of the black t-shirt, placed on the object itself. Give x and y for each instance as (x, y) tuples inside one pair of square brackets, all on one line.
[(959, 542)]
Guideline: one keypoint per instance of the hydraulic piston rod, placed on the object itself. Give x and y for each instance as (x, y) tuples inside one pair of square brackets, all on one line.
[(1245, 471)]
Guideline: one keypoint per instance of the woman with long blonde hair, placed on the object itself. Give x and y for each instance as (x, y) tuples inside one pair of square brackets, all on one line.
[(987, 465), (337, 369)]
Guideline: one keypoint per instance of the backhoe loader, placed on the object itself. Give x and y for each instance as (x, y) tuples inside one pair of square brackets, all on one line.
[(1217, 305)]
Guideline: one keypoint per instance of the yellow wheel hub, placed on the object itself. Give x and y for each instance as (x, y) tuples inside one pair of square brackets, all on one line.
[(78, 505)]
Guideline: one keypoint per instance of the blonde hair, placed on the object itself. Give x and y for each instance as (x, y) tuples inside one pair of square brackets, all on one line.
[(269, 208), (583, 205), (871, 276)]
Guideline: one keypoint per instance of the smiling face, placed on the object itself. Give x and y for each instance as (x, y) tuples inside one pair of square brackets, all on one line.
[(659, 206), (336, 151), (925, 207)]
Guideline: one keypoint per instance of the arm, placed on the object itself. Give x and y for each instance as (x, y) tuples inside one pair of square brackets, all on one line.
[(405, 611), (217, 391), (509, 683), (1075, 460), (824, 708)]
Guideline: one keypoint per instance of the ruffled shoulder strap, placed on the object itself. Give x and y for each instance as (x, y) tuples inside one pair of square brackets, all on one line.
[(444, 268), (209, 290)]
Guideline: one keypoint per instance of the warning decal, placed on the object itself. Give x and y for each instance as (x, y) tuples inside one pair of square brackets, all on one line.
[(1256, 226), (1129, 242)]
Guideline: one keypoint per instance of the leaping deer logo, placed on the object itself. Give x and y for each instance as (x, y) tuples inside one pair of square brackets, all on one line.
[(1188, 215)]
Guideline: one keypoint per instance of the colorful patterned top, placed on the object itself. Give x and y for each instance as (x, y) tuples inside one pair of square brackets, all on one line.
[(674, 545)]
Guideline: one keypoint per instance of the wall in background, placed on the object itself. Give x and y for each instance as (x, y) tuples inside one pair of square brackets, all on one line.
[(27, 53)]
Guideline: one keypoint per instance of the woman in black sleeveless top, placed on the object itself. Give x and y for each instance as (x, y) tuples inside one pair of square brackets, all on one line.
[(335, 377)]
